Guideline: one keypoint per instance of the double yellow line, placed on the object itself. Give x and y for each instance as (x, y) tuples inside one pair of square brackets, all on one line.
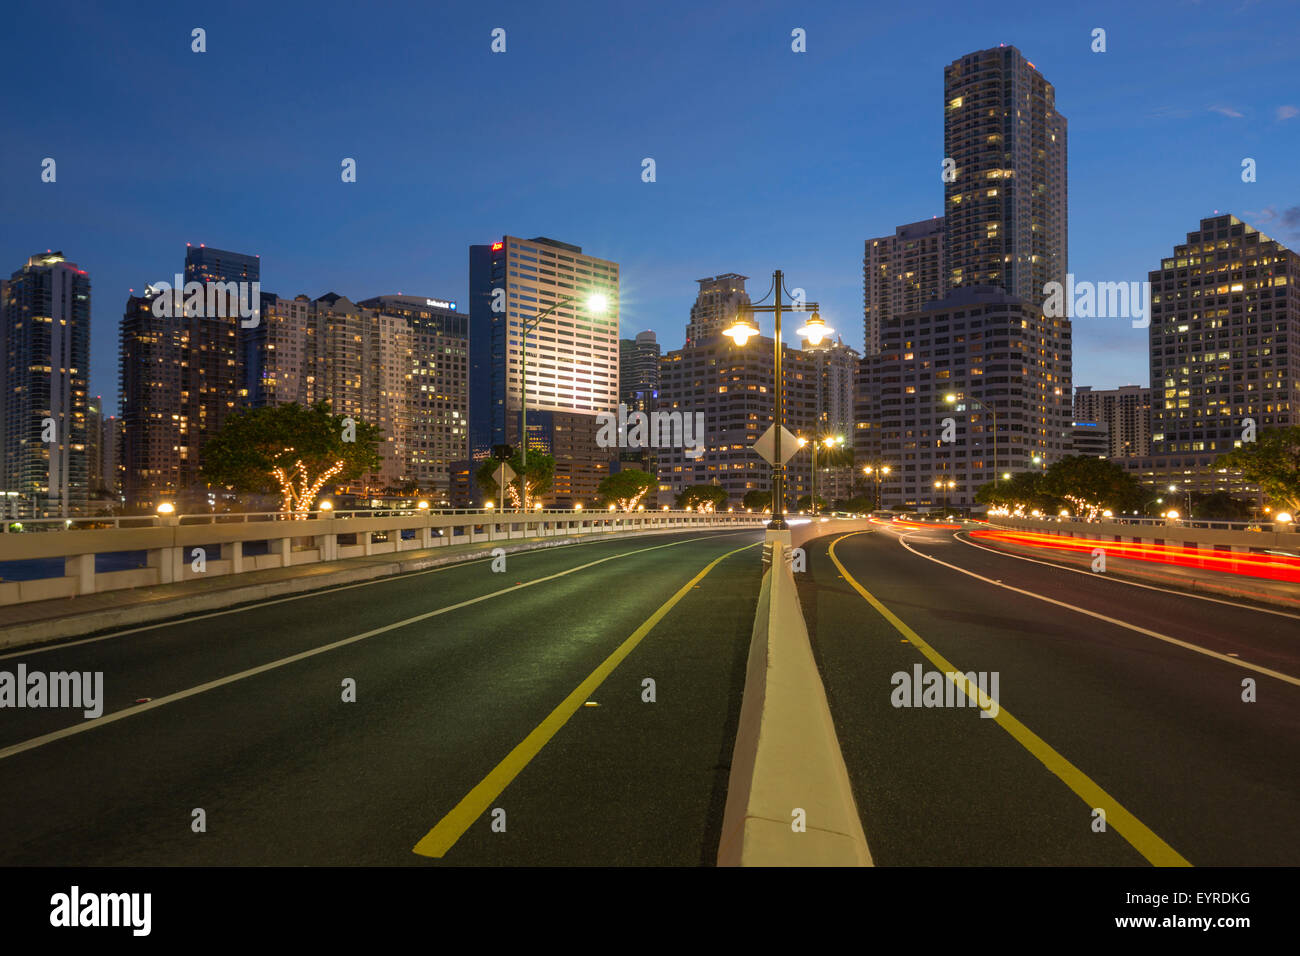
[(1138, 834)]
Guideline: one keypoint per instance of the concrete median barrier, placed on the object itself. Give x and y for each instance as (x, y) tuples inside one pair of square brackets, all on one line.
[(789, 801)]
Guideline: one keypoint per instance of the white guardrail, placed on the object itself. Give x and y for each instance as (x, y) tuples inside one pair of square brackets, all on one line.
[(175, 547)]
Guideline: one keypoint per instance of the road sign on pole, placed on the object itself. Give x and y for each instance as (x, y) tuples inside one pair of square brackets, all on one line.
[(766, 445), (503, 476)]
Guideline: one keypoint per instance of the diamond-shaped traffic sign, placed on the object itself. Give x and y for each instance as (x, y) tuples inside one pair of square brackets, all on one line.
[(766, 446), (504, 475)]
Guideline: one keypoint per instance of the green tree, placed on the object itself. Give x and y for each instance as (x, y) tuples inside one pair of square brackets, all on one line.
[(290, 449), (756, 499), (625, 489), (702, 498), (1272, 461), (805, 503), (1088, 485), (541, 473)]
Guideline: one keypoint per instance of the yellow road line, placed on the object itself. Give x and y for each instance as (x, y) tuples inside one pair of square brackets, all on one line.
[(1138, 834), (452, 827), (132, 711)]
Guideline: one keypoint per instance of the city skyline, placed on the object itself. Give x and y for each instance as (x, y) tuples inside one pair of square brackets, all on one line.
[(289, 205)]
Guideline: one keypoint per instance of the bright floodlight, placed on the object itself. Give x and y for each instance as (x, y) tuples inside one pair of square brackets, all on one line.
[(742, 331), (597, 303), (326, 505), (166, 508), (815, 330), (1172, 514), (423, 505), (885, 470), (950, 398), (1284, 517), (802, 442)]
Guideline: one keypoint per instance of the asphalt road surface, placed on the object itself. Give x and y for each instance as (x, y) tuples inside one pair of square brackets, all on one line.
[(1111, 697), (499, 718)]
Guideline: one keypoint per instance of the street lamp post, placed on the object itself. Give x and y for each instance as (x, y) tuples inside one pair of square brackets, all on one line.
[(880, 471), (1174, 489), (595, 303), (946, 486), (743, 329), (830, 441)]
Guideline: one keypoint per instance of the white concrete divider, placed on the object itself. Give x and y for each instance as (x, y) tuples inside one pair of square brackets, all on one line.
[(787, 767)]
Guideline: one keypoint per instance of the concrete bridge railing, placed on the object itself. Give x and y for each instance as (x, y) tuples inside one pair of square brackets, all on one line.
[(184, 547)]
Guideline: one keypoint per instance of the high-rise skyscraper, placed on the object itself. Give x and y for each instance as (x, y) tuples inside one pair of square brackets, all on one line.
[(901, 273), (273, 355), (437, 386), (1005, 206), (980, 344), (1224, 338), (179, 379), (44, 359), (638, 371), (1125, 412), (716, 306), (573, 356), (205, 264)]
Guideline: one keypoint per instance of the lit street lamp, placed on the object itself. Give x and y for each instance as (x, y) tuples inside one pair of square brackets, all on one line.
[(830, 441), (740, 332), (947, 486), (880, 471), (596, 304)]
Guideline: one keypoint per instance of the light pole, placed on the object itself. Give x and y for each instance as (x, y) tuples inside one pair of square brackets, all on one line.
[(946, 486), (596, 303), (1174, 490), (951, 399), (740, 332), (880, 471), (830, 441)]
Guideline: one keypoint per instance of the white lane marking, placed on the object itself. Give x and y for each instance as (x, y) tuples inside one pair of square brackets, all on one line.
[(322, 592), (131, 711), (1149, 587), (1111, 620)]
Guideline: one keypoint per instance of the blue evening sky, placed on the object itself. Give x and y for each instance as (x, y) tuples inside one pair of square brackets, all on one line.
[(765, 158)]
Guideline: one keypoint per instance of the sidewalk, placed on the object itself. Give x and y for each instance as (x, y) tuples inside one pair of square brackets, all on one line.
[(40, 621)]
